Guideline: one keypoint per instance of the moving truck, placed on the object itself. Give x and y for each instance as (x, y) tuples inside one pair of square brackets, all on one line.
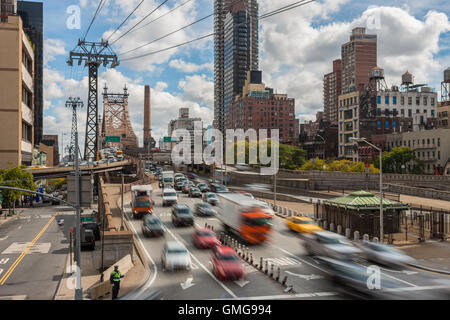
[(141, 200), (245, 217)]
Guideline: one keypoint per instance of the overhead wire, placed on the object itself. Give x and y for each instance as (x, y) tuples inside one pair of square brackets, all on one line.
[(139, 22), (99, 8), (266, 15), (137, 7)]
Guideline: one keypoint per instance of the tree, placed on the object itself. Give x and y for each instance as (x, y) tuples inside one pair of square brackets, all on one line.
[(16, 177), (398, 159)]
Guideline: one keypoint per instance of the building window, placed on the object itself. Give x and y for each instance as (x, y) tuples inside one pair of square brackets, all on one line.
[(410, 101), (439, 155), (402, 112), (394, 124), (378, 124), (402, 100), (439, 142), (394, 100), (425, 101), (386, 99), (409, 113), (432, 101), (386, 124), (432, 113), (417, 101), (378, 99)]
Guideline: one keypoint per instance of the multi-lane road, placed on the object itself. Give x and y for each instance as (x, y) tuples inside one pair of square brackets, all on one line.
[(305, 274)]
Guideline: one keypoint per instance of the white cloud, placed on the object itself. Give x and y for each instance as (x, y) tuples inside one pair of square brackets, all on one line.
[(188, 67), (53, 48), (198, 88)]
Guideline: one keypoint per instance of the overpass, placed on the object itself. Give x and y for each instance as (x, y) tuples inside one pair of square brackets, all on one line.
[(56, 172)]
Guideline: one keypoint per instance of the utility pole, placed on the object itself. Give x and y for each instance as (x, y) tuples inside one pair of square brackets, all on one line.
[(93, 54), (74, 104), (275, 189), (121, 225)]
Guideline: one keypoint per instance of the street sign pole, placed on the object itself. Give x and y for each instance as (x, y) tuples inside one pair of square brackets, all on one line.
[(78, 289)]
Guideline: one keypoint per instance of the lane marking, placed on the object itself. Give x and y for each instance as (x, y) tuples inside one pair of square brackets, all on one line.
[(4, 238), (298, 258), (416, 288), (16, 263), (18, 247), (1, 271), (292, 296), (4, 261), (19, 227)]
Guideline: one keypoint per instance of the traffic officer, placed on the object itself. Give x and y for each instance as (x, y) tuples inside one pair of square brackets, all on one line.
[(115, 281)]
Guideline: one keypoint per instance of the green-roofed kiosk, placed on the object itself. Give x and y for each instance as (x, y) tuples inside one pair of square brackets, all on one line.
[(360, 211)]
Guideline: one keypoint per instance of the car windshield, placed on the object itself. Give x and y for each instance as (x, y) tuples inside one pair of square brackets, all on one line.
[(229, 257), (195, 189), (221, 189), (258, 221), (206, 234), (167, 179), (202, 185), (184, 211), (381, 248), (335, 240), (177, 251), (211, 195), (297, 221), (142, 204), (170, 194), (204, 205), (153, 221)]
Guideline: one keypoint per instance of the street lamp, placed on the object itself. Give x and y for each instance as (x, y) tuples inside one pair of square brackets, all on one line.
[(381, 181)]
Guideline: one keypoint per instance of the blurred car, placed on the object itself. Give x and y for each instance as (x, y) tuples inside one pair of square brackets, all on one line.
[(211, 198), (226, 264), (178, 175), (302, 224), (175, 256), (169, 196), (152, 226), (384, 254), (194, 192), (204, 209), (182, 215), (203, 187), (191, 175), (179, 185), (205, 238), (191, 183), (330, 244), (93, 226), (247, 194), (186, 188), (215, 187)]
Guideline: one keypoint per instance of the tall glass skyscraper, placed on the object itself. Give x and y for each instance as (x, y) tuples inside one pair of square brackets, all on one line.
[(235, 51), (31, 14)]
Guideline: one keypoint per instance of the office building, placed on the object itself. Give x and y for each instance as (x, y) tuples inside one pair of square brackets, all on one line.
[(258, 107), (359, 56), (183, 122), (332, 89), (236, 51), (16, 93), (51, 140)]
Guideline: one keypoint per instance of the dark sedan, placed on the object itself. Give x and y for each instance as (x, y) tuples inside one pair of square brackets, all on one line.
[(204, 209), (194, 192), (94, 227)]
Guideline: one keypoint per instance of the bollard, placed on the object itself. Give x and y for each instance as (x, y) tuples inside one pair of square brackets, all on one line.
[(290, 213), (278, 274), (266, 269), (365, 237), (325, 225), (206, 224), (284, 281), (284, 211), (271, 270), (295, 213), (332, 227), (251, 258), (356, 236), (339, 229), (212, 228), (260, 263), (348, 233), (375, 239)]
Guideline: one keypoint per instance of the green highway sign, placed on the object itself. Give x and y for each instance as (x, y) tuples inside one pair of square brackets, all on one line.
[(87, 219), (112, 139), (170, 139)]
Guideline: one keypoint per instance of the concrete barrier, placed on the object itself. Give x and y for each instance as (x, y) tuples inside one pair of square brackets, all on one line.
[(325, 225), (100, 290), (332, 227), (339, 229), (348, 233), (356, 236)]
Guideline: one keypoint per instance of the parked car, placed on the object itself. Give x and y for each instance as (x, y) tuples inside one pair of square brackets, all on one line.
[(203, 187), (175, 256), (152, 226), (210, 198), (194, 192), (205, 238), (226, 264), (302, 224), (94, 227), (204, 209), (384, 254), (330, 244), (182, 215)]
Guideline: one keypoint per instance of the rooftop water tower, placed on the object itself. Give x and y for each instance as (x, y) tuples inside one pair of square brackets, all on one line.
[(445, 88), (407, 80)]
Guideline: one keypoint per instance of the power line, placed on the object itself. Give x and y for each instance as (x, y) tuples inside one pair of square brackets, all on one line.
[(266, 15), (125, 20), (99, 7), (132, 28)]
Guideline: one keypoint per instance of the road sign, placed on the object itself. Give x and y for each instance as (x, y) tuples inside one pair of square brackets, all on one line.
[(112, 139), (87, 219), (170, 139)]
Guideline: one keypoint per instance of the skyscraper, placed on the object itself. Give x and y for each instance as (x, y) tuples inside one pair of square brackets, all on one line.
[(359, 56), (32, 19), (332, 89), (235, 51)]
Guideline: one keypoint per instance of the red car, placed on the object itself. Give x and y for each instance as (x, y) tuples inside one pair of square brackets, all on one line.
[(226, 264), (205, 238), (186, 188)]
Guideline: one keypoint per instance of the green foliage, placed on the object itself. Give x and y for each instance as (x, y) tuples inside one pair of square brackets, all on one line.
[(337, 165), (398, 157), (313, 164), (16, 177)]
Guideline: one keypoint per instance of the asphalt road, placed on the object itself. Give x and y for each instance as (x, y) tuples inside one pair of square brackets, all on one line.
[(33, 251), (305, 274)]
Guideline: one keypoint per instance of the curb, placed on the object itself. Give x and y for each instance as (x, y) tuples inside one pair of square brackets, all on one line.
[(418, 266)]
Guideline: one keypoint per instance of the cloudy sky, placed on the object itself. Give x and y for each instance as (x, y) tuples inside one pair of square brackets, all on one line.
[(296, 49)]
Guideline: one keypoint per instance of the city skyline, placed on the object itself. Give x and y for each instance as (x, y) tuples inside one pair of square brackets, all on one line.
[(185, 78)]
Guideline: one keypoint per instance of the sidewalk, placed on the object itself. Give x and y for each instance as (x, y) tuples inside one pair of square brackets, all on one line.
[(430, 254)]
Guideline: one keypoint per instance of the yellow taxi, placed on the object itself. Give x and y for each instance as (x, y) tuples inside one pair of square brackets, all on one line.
[(302, 224)]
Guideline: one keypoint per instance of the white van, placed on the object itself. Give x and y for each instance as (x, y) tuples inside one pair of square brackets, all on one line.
[(169, 196)]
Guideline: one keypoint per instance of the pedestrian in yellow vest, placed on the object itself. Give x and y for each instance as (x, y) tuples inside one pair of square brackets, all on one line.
[(115, 281)]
